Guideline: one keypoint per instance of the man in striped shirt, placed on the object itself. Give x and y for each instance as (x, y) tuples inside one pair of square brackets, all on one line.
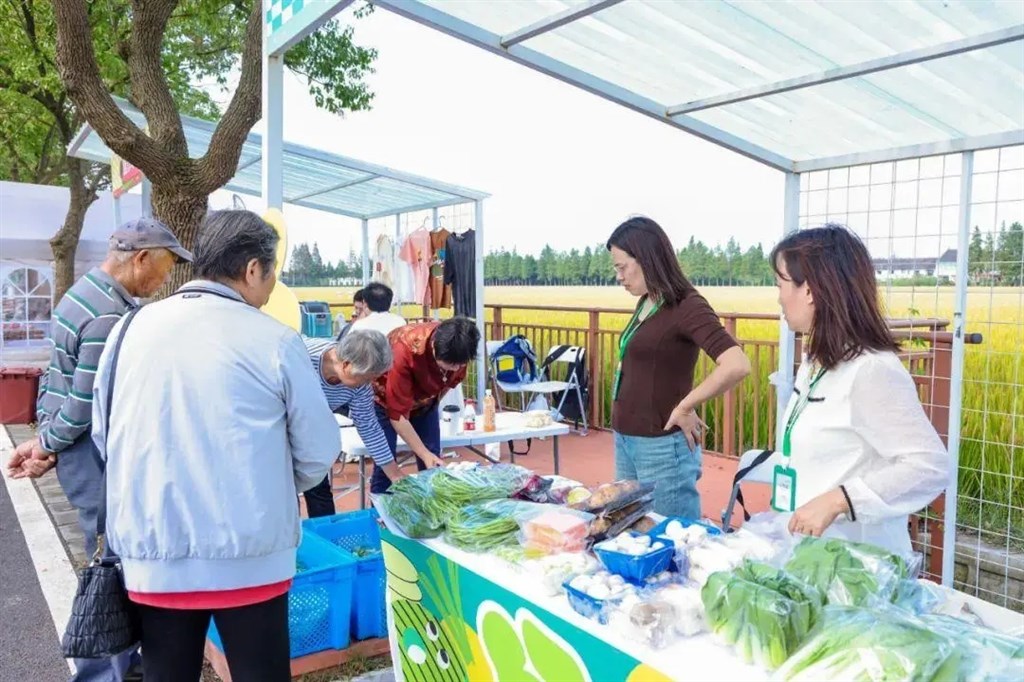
[(346, 369), (142, 254)]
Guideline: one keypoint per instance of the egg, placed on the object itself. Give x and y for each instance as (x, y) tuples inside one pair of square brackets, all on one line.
[(657, 545), (599, 591), (674, 530)]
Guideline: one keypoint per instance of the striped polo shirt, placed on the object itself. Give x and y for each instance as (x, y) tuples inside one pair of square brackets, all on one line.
[(359, 401), (81, 323)]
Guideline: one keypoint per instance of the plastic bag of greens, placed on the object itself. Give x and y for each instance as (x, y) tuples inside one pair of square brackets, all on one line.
[(848, 573), (469, 485), (852, 643), (405, 510), (764, 613), (484, 526), (918, 596), (985, 655)]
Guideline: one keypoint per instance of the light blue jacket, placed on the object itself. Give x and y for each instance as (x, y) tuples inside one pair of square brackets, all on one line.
[(217, 423)]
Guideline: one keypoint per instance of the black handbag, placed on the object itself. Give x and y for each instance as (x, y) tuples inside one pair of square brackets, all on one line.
[(104, 622)]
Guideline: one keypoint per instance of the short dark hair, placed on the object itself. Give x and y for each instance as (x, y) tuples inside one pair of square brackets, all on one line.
[(456, 340), (228, 240), (643, 239), (359, 296), (378, 297), (837, 267)]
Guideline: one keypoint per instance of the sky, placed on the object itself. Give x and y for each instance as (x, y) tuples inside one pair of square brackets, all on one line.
[(563, 167)]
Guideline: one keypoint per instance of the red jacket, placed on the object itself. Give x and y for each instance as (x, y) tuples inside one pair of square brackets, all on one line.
[(415, 382)]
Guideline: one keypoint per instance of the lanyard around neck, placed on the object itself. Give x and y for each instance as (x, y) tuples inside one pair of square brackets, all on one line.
[(633, 326), (798, 408)]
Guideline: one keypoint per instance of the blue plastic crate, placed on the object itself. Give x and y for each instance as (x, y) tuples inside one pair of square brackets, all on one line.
[(659, 530), (354, 531), (636, 569), (317, 325), (320, 600)]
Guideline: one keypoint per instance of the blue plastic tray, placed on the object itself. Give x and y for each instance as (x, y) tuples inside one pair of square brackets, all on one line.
[(636, 569), (350, 532), (587, 606), (320, 600)]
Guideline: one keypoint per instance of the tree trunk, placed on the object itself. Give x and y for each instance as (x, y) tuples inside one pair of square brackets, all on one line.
[(182, 209), (64, 244)]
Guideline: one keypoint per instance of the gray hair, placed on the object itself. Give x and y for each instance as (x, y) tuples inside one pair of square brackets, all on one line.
[(228, 240), (367, 350), (121, 257)]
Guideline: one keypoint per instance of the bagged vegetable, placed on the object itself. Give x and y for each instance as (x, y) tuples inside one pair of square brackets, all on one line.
[(609, 497), (882, 644), (763, 612), (555, 530), (609, 523), (406, 511), (848, 573), (460, 487), (984, 655), (484, 526), (918, 596), (553, 570)]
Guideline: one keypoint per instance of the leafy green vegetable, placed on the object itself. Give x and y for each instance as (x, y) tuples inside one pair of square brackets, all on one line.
[(848, 573), (481, 527), (406, 510), (985, 655), (761, 611), (871, 645)]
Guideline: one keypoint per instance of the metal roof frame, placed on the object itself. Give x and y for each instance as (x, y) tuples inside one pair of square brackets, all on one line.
[(513, 46), (87, 145)]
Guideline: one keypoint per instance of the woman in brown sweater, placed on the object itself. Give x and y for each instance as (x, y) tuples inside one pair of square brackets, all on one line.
[(654, 412)]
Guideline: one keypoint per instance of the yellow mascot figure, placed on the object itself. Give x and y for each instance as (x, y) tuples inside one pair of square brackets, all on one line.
[(283, 306)]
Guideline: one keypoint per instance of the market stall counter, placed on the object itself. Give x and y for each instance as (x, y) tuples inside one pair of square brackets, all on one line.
[(486, 588)]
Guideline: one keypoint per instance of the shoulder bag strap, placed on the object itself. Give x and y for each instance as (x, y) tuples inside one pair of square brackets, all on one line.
[(101, 517), (742, 473)]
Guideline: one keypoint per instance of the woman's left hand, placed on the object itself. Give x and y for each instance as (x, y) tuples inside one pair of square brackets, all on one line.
[(816, 516), (688, 422)]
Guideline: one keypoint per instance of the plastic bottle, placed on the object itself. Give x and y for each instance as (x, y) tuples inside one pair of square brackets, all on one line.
[(490, 407), (469, 416)]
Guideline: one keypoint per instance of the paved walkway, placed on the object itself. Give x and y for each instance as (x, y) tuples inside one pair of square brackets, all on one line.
[(29, 640)]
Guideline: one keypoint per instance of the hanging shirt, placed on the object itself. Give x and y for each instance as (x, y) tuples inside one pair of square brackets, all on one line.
[(460, 271), (440, 293), (384, 261), (865, 429), (416, 252)]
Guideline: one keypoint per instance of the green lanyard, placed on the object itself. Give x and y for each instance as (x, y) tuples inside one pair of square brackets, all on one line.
[(798, 408), (627, 336)]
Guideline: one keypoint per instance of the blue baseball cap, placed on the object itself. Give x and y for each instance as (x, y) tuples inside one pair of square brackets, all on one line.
[(148, 233)]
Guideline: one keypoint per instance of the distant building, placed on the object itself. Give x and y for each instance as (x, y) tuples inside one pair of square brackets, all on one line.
[(887, 269)]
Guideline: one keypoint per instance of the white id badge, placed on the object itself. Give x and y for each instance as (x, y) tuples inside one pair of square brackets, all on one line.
[(784, 489)]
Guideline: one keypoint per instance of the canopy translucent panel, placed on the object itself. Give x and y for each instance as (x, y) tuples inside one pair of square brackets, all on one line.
[(677, 53), (312, 178)]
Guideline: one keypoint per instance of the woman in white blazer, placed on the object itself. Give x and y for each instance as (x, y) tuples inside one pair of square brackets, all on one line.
[(859, 454)]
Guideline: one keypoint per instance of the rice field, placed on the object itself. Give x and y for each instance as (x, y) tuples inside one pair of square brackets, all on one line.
[(992, 436)]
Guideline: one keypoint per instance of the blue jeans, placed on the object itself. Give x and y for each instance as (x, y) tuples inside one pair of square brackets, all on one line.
[(669, 463), (427, 426)]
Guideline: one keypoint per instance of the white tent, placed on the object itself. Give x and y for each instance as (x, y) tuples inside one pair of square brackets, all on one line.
[(30, 215)]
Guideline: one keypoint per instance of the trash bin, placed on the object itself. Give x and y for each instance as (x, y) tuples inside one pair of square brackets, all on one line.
[(19, 387)]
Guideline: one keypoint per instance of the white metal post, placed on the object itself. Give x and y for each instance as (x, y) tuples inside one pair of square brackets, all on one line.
[(783, 377), (478, 268), (117, 211), (147, 201), (273, 136), (366, 252), (957, 379)]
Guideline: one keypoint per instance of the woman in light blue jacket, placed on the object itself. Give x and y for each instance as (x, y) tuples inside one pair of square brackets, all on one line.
[(217, 423)]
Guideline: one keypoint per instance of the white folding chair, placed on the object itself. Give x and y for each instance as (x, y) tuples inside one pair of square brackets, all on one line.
[(755, 466), (574, 356)]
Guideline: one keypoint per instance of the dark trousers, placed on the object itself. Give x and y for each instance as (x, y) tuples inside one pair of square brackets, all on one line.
[(427, 426), (255, 642), (320, 499)]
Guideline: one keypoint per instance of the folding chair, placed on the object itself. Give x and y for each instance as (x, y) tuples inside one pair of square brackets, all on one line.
[(755, 466), (575, 357), (520, 388)]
